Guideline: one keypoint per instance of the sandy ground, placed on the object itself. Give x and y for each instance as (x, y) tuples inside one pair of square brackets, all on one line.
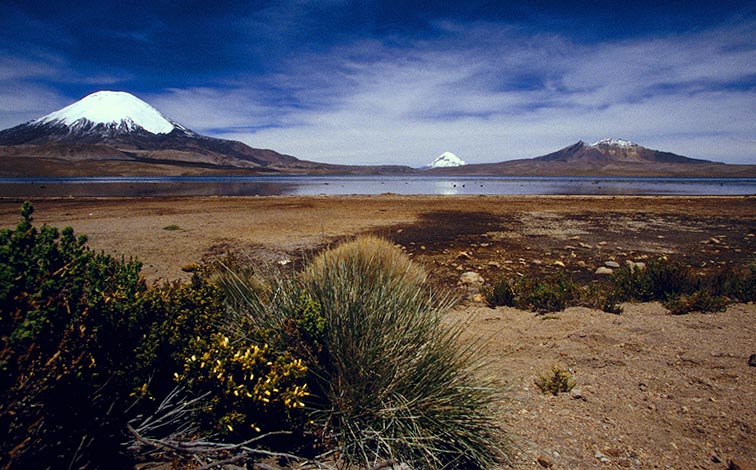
[(653, 390)]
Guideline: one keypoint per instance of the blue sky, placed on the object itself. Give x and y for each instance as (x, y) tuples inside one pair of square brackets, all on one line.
[(401, 81)]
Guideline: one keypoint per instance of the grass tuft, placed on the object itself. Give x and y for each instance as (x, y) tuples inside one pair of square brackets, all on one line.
[(389, 380)]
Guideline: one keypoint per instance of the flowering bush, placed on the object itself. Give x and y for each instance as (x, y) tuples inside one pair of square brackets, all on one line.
[(251, 387)]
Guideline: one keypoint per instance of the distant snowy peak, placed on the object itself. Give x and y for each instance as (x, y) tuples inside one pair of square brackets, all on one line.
[(614, 143), (446, 160), (115, 110)]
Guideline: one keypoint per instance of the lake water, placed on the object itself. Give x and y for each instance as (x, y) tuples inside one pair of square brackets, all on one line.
[(333, 185)]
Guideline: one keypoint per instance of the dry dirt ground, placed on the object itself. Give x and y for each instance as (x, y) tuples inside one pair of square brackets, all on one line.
[(653, 390)]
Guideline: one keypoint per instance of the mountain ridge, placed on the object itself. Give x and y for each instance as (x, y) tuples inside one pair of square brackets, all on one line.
[(110, 132), (606, 157)]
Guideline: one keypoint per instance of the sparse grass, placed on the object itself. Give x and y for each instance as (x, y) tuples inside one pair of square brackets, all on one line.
[(389, 380), (556, 381), (671, 282), (171, 227)]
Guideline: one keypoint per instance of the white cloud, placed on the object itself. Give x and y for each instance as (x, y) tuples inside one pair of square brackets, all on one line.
[(680, 94), (485, 92)]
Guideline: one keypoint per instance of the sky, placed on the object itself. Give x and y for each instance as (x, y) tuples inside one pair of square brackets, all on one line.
[(400, 82)]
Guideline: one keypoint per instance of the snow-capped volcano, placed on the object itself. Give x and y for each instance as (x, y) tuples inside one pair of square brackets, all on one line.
[(110, 129), (115, 110), (102, 117), (446, 160)]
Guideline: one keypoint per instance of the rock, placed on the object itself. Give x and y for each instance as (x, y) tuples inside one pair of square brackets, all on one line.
[(611, 264), (463, 255), (603, 458), (752, 360), (471, 278), (576, 394), (604, 270), (545, 462), (635, 265), (537, 262), (581, 263)]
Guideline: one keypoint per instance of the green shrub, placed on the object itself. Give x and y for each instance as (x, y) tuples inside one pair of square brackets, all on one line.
[(738, 284), (175, 314), (698, 301), (659, 280), (501, 294), (556, 382), (86, 348), (549, 294), (67, 341), (389, 380)]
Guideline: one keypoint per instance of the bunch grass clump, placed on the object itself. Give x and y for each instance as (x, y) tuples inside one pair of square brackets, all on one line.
[(556, 381), (389, 380)]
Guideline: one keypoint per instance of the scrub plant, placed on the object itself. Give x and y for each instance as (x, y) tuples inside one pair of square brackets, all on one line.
[(556, 381), (390, 381)]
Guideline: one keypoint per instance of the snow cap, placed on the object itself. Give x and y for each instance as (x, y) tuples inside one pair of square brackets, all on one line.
[(112, 107)]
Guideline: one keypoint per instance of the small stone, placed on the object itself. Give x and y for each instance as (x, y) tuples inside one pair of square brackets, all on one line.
[(576, 394), (611, 264), (463, 255), (537, 262), (585, 245), (602, 458), (752, 360), (603, 270), (639, 266), (471, 278), (559, 263), (545, 462), (581, 263), (494, 264)]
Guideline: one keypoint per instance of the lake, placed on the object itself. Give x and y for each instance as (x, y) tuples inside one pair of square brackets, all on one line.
[(340, 185)]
